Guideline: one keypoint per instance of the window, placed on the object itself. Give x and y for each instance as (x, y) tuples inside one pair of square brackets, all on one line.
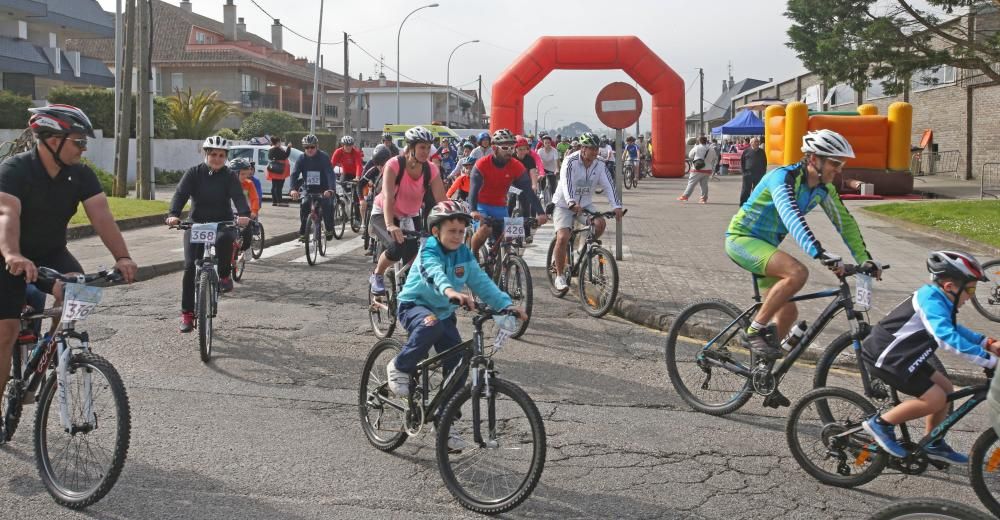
[(840, 94), (875, 91), (176, 81), (811, 97), (199, 37), (931, 78), (247, 83)]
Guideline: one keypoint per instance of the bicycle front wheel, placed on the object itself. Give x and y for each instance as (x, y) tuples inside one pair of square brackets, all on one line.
[(515, 280), (598, 282), (707, 363), (382, 309), (824, 448), (206, 289), (383, 418), (312, 244), (355, 217), (339, 220), (984, 470), (78, 467), (497, 474), (987, 298), (257, 246)]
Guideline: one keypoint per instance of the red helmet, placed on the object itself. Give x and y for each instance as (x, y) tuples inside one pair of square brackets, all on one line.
[(520, 141), (59, 120)]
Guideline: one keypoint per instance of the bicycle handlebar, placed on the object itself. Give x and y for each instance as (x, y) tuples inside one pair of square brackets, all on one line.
[(187, 225), (111, 275), (485, 310), (850, 269), (606, 214)]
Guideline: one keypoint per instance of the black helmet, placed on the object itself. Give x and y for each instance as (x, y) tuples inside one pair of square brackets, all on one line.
[(239, 164), (387, 137), (59, 120), (381, 154)]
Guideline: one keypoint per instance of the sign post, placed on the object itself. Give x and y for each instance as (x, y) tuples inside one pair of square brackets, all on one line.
[(618, 105)]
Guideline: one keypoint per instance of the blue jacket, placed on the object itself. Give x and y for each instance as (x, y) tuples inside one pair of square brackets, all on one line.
[(435, 270), (320, 163)]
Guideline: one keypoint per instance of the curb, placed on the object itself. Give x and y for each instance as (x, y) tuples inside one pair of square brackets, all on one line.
[(148, 272), (86, 230), (936, 233)]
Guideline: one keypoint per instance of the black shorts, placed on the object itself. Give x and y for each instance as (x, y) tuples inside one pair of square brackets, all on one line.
[(12, 288), (916, 385)]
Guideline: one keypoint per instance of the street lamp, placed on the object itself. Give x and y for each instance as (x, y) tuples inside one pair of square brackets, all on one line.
[(546, 116), (537, 105), (447, 91), (398, 34)]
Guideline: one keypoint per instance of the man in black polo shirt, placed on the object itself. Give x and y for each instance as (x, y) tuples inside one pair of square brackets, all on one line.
[(39, 193)]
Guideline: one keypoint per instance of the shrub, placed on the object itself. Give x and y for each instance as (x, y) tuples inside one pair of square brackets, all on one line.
[(167, 177), (327, 140), (269, 122), (196, 115), (13, 110), (107, 180), (228, 134), (99, 105)]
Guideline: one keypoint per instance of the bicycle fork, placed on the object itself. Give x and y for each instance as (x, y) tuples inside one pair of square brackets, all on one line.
[(481, 386), (64, 380)]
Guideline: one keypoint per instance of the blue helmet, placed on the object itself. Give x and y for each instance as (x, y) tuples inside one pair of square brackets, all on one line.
[(481, 136), (468, 160)]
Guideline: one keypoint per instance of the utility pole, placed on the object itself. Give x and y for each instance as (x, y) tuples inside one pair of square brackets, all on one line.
[(482, 106), (315, 96), (124, 117), (118, 66), (347, 90), (143, 108), (701, 102)]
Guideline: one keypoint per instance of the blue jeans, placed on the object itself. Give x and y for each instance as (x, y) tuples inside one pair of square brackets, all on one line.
[(426, 331)]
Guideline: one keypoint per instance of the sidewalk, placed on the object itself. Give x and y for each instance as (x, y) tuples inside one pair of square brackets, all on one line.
[(946, 186)]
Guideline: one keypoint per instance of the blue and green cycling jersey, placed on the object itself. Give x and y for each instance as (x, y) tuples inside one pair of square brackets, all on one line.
[(778, 206)]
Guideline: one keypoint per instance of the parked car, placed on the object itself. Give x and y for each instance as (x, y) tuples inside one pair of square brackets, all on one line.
[(257, 154)]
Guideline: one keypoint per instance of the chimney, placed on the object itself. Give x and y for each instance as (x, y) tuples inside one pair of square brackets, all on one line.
[(381, 79), (186, 5), (241, 26), (229, 19), (724, 85), (276, 35), (361, 76)]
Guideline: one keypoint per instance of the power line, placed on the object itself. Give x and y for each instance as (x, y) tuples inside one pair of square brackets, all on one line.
[(372, 56), (310, 40)]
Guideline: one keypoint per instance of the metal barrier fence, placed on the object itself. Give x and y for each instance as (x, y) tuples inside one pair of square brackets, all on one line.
[(933, 163), (990, 180)]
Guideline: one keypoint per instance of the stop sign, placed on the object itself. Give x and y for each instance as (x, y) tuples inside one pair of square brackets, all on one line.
[(618, 105)]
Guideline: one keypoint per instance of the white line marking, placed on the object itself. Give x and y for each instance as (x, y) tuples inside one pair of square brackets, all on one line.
[(278, 249), (335, 251), (618, 105)]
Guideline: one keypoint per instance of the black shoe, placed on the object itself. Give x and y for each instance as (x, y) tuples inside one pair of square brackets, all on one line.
[(777, 400), (764, 344)]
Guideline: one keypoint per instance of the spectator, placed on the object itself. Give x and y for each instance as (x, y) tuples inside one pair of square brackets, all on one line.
[(704, 159), (753, 164), (278, 169)]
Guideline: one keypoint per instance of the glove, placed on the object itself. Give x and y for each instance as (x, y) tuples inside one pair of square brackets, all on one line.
[(874, 267), (831, 261)]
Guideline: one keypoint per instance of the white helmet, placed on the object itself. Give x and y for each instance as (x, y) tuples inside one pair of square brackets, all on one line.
[(215, 142), (827, 143), (418, 134)]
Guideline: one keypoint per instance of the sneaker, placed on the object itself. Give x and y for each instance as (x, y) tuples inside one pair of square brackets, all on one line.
[(456, 443), (941, 452), (399, 382), (885, 436), (225, 285), (329, 236), (703, 200), (560, 283), (187, 321), (764, 343), (377, 282), (682, 198), (303, 239)]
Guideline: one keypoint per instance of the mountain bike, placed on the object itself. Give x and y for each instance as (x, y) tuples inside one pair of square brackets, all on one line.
[(340, 202), (498, 430), (984, 470), (240, 255), (315, 242), (714, 371), (987, 298), (836, 450), (82, 420), (593, 265), (206, 281), (501, 260), (382, 307), (352, 202), (630, 179)]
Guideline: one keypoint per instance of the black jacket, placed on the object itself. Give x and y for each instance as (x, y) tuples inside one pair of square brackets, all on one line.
[(210, 194), (753, 162)]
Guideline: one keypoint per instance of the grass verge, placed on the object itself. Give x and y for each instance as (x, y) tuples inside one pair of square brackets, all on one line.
[(977, 220), (125, 208)]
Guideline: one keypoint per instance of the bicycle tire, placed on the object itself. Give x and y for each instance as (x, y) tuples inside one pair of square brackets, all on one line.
[(384, 322), (603, 304), (928, 509), (877, 457), (550, 271), (257, 246), (239, 265), (12, 405), (355, 217), (312, 246), (205, 315), (71, 498), (321, 237), (990, 312), (740, 393), (391, 442), (534, 473), (985, 459), (522, 289), (339, 220)]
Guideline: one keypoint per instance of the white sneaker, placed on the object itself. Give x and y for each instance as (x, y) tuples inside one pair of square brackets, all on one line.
[(560, 283), (456, 443), (399, 381)]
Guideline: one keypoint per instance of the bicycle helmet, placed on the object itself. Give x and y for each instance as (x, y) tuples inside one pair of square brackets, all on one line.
[(347, 140), (520, 141), (468, 161), (239, 164), (575, 144), (503, 136), (59, 120), (387, 137), (827, 143), (546, 136), (481, 136), (418, 134), (469, 145), (381, 154), (310, 140), (448, 209), (215, 142), (589, 140), (958, 265)]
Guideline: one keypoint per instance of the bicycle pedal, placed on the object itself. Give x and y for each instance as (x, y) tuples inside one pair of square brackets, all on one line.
[(777, 400)]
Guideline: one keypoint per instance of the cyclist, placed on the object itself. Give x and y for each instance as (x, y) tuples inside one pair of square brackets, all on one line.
[(631, 155), (776, 208), (405, 181), (211, 187), (372, 175), (899, 346), (313, 170), (467, 148), (242, 168), (449, 155), (582, 173), (485, 146), (40, 191), (351, 162), (387, 141), (459, 189), (491, 179), (550, 165), (562, 147), (526, 156)]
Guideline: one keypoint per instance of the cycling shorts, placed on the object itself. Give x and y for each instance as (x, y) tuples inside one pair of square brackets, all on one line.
[(12, 288), (916, 385), (752, 254), (563, 218), (497, 212)]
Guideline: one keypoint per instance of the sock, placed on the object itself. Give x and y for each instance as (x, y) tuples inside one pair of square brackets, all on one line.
[(880, 421), (755, 327)]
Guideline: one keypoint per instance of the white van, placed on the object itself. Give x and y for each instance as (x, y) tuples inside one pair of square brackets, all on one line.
[(257, 154)]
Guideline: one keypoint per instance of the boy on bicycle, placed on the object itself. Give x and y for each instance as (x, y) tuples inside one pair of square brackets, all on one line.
[(898, 349), (444, 267), (242, 168)]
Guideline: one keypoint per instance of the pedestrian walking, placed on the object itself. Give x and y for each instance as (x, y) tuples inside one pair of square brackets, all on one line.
[(704, 159), (277, 169), (753, 164)]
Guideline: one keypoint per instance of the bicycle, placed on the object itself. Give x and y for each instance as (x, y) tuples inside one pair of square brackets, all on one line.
[(206, 281), (849, 455), (382, 307), (928, 509), (593, 265), (705, 344), (501, 261), (254, 251), (257, 243), (91, 427), (630, 180), (349, 196), (509, 427), (984, 469), (315, 242), (987, 299), (340, 202)]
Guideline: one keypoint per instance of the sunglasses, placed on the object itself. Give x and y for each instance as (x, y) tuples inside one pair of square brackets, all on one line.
[(80, 143), (309, 147), (504, 147), (836, 163)]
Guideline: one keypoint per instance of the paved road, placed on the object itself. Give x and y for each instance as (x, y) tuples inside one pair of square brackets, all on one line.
[(270, 428)]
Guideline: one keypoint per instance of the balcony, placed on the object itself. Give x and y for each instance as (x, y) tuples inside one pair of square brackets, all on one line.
[(251, 99)]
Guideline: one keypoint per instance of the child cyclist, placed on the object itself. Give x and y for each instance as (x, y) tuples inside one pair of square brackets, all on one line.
[(459, 189), (899, 346), (244, 170)]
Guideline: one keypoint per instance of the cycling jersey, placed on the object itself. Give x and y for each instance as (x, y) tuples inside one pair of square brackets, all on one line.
[(350, 163), (578, 182), (911, 332), (550, 158), (491, 182), (250, 191), (460, 186), (210, 194), (778, 206), (409, 194), (632, 150)]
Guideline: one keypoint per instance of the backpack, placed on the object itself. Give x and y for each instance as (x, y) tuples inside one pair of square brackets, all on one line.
[(402, 171)]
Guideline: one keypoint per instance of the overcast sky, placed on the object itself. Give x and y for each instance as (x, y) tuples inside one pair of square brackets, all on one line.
[(750, 34)]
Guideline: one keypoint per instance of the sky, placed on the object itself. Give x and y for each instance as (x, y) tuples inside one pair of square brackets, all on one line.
[(748, 34)]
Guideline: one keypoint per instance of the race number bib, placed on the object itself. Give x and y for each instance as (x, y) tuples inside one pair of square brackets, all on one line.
[(863, 292), (406, 224), (506, 327), (312, 178), (513, 228), (204, 233), (514, 190), (79, 301), (581, 192)]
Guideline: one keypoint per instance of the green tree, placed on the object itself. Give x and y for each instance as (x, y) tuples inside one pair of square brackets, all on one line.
[(859, 41), (99, 105), (268, 122), (13, 110), (227, 133), (195, 116)]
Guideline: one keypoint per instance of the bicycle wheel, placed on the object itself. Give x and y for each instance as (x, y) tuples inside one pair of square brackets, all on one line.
[(206, 287), (383, 419), (382, 309), (312, 244), (550, 271), (707, 363), (987, 298), (80, 466), (239, 264), (355, 217), (498, 474), (515, 280), (339, 220), (321, 236), (627, 179), (818, 447), (257, 246), (928, 509), (598, 282), (984, 470)]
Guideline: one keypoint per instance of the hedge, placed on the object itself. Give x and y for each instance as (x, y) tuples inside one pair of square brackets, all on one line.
[(99, 105), (107, 180), (328, 141), (268, 122), (13, 110), (228, 134)]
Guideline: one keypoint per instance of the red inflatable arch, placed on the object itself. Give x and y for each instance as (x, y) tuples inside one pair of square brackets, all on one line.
[(627, 53)]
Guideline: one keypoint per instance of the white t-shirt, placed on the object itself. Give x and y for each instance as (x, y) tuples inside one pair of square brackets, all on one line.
[(550, 159)]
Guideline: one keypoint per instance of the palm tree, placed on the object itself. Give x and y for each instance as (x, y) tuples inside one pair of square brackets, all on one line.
[(196, 116)]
